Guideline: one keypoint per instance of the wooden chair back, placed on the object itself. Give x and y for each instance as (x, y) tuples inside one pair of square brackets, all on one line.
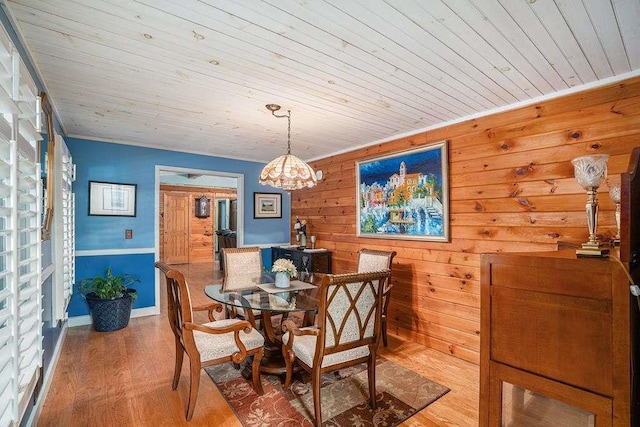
[(243, 266), (242, 261), (349, 312), (179, 310), (374, 260)]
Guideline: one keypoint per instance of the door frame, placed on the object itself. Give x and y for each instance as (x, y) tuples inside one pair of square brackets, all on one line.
[(180, 170)]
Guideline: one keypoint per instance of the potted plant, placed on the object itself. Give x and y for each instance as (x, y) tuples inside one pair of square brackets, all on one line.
[(110, 299)]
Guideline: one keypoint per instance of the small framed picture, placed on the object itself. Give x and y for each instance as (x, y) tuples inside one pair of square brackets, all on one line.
[(267, 205), (112, 199)]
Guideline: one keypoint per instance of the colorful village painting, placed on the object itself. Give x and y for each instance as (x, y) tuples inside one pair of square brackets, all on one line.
[(405, 195)]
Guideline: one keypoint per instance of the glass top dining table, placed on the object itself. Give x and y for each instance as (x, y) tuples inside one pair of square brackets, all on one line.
[(257, 293)]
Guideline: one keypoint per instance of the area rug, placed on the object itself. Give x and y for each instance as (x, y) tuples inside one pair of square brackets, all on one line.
[(400, 394)]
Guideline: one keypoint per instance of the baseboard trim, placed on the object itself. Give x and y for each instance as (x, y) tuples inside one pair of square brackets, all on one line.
[(48, 378)]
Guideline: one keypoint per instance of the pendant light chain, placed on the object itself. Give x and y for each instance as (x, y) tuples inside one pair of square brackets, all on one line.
[(289, 132)]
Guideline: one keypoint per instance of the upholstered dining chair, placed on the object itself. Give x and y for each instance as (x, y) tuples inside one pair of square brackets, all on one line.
[(210, 343), (374, 260), (347, 331), (241, 266)]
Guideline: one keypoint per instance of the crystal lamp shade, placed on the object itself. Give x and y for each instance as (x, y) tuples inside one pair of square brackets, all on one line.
[(591, 170), (614, 193), (289, 173)]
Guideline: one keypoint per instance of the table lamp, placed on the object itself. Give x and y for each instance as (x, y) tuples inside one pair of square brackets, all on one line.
[(590, 172)]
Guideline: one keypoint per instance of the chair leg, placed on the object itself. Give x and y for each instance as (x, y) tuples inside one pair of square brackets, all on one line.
[(194, 385), (288, 361), (384, 331), (317, 407), (371, 368), (255, 372), (178, 367)]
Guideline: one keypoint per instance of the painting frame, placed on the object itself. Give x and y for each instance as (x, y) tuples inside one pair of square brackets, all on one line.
[(404, 194), (112, 199), (47, 220), (267, 205)]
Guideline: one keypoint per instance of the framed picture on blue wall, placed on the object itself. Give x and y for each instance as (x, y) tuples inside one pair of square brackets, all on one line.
[(112, 199), (267, 205)]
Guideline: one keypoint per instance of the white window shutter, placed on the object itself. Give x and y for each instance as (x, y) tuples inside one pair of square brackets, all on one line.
[(8, 381), (64, 228), (20, 217)]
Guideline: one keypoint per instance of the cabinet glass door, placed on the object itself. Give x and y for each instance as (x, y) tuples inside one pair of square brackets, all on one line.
[(524, 408)]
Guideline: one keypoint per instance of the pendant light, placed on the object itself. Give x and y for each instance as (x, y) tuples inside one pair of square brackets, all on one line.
[(287, 172)]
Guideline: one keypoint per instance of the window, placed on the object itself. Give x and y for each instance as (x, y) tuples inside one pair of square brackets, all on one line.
[(20, 189)]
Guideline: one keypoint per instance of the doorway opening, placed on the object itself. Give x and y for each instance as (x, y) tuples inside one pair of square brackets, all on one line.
[(197, 209)]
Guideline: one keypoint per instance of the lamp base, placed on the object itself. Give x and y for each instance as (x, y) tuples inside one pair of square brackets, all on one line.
[(592, 250)]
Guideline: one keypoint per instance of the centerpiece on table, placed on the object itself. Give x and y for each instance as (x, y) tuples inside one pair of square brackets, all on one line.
[(285, 270)]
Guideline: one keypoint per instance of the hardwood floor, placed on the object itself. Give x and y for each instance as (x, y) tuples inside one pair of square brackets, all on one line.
[(123, 378)]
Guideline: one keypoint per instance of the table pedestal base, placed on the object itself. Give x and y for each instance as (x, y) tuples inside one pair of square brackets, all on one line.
[(272, 363)]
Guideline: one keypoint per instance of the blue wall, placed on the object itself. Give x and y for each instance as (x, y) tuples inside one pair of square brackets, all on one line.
[(138, 264), (101, 161)]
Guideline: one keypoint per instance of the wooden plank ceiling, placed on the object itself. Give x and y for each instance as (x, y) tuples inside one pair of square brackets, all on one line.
[(194, 76)]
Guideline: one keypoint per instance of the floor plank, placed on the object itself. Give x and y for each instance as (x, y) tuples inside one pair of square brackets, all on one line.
[(123, 378)]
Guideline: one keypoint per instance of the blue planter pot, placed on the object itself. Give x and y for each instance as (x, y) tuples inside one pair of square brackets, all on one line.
[(110, 314)]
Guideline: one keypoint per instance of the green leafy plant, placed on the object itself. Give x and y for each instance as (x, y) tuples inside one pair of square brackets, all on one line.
[(110, 286)]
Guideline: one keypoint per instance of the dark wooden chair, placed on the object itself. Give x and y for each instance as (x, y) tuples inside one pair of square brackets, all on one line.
[(347, 331), (374, 260), (226, 239), (210, 343), (231, 240), (222, 243)]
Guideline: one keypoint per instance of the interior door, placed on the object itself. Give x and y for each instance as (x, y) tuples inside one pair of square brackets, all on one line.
[(176, 228)]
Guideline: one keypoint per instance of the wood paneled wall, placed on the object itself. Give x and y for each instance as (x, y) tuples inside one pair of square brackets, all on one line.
[(512, 189), (201, 230)]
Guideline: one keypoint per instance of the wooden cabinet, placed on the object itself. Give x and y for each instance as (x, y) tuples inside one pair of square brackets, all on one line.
[(305, 261), (558, 335)]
